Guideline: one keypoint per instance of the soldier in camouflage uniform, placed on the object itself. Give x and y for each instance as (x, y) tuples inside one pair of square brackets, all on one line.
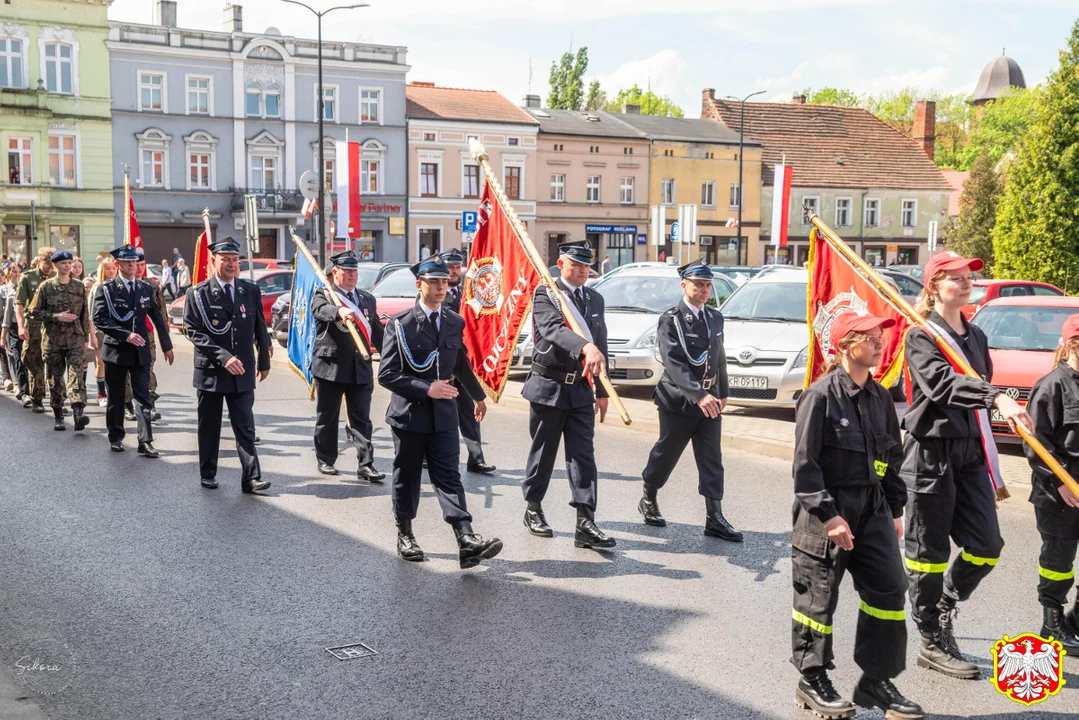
[(30, 328), (159, 301), (60, 305)]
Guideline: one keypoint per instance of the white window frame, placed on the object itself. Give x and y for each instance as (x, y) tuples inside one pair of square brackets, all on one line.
[(558, 187), (590, 186), (335, 90), (627, 189), (247, 91), (163, 88), (265, 145), (849, 219), (22, 152), (329, 154), (8, 58), (667, 192), (424, 157), (467, 162), (816, 206), (378, 105), (708, 192), (373, 151), (154, 140), (188, 77), (273, 89), (735, 188), (913, 212), (58, 61), (64, 36), (515, 161), (865, 212), (201, 142), (77, 152)]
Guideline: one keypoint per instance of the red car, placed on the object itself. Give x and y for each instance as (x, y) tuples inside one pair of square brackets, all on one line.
[(272, 283), (265, 264), (1023, 332), (986, 290), (395, 293)]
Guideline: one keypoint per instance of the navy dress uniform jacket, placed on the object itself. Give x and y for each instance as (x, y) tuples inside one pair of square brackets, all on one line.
[(336, 358), (118, 314), (683, 384), (220, 332)]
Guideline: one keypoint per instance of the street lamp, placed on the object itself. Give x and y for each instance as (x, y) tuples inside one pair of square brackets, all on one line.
[(321, 114), (741, 137)]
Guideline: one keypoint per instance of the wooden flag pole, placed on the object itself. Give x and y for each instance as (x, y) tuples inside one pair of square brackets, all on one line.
[(206, 225), (958, 360), (480, 155)]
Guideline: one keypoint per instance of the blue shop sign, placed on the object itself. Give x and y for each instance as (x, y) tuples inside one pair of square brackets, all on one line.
[(611, 229)]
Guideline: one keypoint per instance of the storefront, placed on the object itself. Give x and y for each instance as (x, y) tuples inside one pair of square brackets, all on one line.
[(618, 241), (720, 250), (382, 232)]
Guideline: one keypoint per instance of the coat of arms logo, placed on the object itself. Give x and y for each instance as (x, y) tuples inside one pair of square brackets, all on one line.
[(1028, 668), (483, 286)]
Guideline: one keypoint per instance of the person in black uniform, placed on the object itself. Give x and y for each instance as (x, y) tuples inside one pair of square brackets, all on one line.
[(121, 307), (563, 402), (945, 465), (466, 411), (690, 396), (338, 366), (1052, 406), (848, 516), (422, 352), (223, 320)]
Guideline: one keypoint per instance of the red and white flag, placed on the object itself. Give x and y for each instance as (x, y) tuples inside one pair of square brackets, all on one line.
[(732, 222), (348, 188), (309, 206), (781, 204)]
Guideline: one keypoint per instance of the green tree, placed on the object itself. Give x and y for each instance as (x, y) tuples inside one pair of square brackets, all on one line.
[(953, 118), (997, 127), (832, 96), (567, 81), (971, 235), (1036, 236), (895, 107), (597, 99), (651, 104)]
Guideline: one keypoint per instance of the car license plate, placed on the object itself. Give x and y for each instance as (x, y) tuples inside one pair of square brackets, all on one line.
[(611, 363), (742, 381), (996, 417)]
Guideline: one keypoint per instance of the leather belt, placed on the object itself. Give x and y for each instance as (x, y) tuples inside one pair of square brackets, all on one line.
[(558, 376), (708, 382)]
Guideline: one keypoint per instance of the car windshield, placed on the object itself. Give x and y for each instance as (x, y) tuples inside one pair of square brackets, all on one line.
[(977, 294), (399, 283), (275, 283), (768, 301), (1012, 327), (368, 276), (629, 292)]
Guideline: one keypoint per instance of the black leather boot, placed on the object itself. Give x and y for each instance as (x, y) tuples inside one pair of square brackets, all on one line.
[(949, 610), (474, 548), (874, 693), (81, 421), (58, 419), (934, 654), (587, 534), (536, 522), (649, 508), (1053, 624), (407, 547), (715, 525), (1072, 618), (816, 693), (38, 408)]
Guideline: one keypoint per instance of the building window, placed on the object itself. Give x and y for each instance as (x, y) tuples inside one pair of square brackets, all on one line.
[(153, 159), (153, 168), (329, 103), (201, 150), (11, 63), (428, 137), (428, 179), (592, 189), (327, 172), (626, 191), (151, 95), (369, 176), (909, 217), (511, 180), (559, 148), (199, 165), (514, 141), (470, 182), (253, 101), (708, 194), (558, 188), (371, 105), (65, 237), (272, 99), (842, 212), (20, 163), (58, 67), (263, 172), (735, 199), (667, 192), (872, 212), (62, 169), (198, 95), (810, 206)]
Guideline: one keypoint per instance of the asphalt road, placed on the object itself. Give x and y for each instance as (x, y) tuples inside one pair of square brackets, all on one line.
[(154, 598)]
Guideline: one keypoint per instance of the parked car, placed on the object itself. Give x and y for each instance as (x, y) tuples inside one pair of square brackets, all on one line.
[(738, 273), (986, 290), (265, 264), (395, 293), (272, 283), (915, 271), (907, 286), (1023, 332), (556, 273)]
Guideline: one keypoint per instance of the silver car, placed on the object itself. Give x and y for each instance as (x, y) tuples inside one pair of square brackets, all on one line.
[(767, 339)]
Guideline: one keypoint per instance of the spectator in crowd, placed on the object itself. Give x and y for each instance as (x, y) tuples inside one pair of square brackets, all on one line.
[(106, 270), (168, 280), (607, 265), (7, 287), (182, 276), (9, 332), (176, 256)]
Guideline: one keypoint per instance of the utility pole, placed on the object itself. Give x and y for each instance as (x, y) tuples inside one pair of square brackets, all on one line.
[(741, 148)]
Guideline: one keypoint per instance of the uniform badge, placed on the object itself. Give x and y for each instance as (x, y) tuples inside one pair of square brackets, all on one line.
[(1028, 669), (844, 422), (243, 311)]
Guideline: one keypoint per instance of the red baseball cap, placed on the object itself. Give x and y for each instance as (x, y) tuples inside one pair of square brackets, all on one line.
[(1070, 329), (950, 260), (857, 321)]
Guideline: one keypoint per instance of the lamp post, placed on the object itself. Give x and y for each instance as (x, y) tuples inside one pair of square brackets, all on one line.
[(321, 114), (741, 138)]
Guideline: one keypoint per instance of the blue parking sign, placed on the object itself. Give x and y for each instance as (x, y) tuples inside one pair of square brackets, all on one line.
[(468, 221)]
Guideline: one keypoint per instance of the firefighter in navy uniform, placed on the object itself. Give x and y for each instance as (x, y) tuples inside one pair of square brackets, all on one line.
[(121, 307), (422, 352), (466, 409), (690, 396), (563, 403), (848, 517), (223, 320), (1054, 407), (338, 366)]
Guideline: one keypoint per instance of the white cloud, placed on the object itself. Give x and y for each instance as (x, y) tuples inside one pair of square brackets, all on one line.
[(928, 79), (796, 76), (664, 72)]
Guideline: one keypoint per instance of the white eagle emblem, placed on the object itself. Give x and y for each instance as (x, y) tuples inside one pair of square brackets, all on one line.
[(1030, 675)]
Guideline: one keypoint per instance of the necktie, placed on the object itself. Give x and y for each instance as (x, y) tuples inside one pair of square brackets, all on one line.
[(130, 289), (228, 293), (434, 321), (578, 297), (351, 297)]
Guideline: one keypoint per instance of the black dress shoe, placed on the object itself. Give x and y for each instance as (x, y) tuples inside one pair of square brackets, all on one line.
[(407, 547), (327, 469), (650, 510), (537, 524), (117, 446), (209, 483), (81, 421), (590, 536), (257, 439), (368, 473), (482, 468), (38, 408), (472, 547), (873, 693), (715, 525), (148, 450), (154, 415), (816, 693), (250, 486)]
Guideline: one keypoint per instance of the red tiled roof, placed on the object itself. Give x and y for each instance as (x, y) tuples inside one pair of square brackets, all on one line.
[(425, 100), (957, 180), (831, 146)]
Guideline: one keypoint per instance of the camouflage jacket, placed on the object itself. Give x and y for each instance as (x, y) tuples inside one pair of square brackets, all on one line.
[(50, 300), (28, 285)]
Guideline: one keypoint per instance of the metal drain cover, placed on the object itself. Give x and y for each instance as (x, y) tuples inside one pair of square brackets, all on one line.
[(351, 652)]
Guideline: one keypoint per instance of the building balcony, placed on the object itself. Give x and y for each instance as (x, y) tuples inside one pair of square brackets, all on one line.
[(269, 201)]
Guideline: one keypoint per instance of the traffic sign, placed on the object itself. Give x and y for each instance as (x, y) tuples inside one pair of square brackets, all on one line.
[(309, 185), (675, 234), (469, 221)]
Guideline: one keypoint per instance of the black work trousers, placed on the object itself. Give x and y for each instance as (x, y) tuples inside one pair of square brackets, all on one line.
[(675, 432), (1056, 563), (242, 418), (818, 565), (19, 374), (442, 451), (328, 415), (575, 427), (470, 427), (116, 377)]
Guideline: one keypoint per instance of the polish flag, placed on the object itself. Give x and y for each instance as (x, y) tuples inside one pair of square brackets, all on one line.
[(348, 188), (309, 206), (732, 223), (781, 204)]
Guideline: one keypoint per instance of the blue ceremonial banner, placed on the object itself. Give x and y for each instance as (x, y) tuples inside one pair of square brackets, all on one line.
[(301, 325)]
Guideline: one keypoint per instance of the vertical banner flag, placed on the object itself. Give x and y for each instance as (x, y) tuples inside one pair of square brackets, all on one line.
[(781, 204), (301, 324), (348, 188), (200, 269), (496, 295), (836, 286)]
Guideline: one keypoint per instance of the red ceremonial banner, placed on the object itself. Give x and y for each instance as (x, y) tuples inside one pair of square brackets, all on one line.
[(133, 224), (200, 270), (496, 295), (835, 286)]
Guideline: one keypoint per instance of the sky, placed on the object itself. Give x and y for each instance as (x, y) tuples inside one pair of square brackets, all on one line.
[(679, 47)]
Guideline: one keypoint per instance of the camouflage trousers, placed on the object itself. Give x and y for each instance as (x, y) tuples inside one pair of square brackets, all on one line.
[(69, 362), (33, 358), (129, 396)]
